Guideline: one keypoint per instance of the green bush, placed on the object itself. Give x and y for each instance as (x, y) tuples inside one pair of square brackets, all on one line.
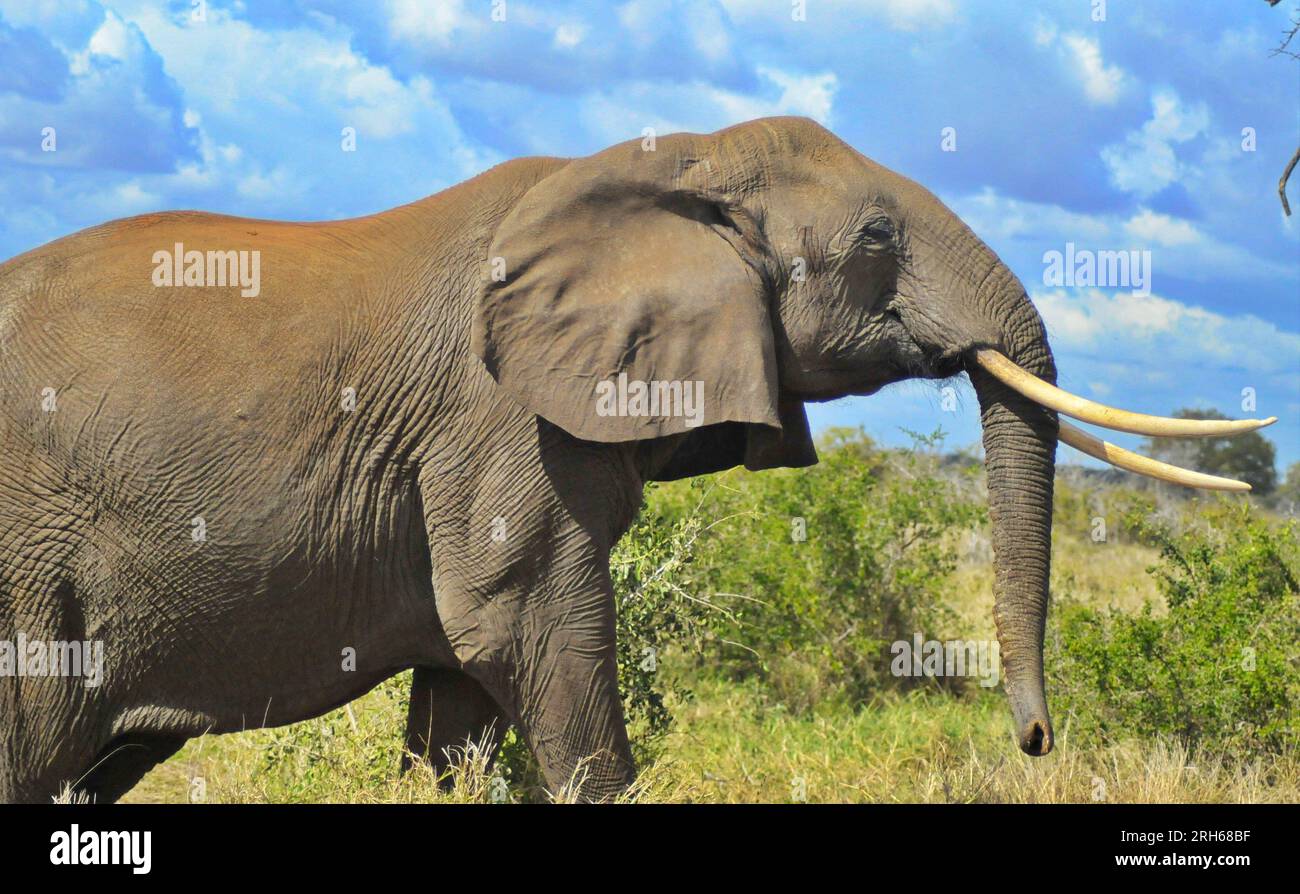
[(1219, 667), (656, 612), (1079, 507), (821, 569)]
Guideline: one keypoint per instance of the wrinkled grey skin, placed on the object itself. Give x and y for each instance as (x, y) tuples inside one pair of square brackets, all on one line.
[(459, 519)]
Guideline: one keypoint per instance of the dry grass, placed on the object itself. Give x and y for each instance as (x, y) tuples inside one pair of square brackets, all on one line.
[(934, 749), (69, 796), (733, 745)]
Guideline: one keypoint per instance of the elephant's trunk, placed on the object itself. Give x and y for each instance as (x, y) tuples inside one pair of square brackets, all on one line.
[(1020, 457)]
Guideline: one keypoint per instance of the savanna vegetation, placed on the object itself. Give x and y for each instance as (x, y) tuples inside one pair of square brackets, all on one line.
[(757, 620)]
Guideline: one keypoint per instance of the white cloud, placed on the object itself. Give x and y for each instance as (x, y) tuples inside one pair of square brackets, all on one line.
[(997, 217), (131, 196), (568, 36), (277, 183), (1146, 162), (902, 15), (1178, 247), (321, 86), (167, 114), (704, 108), (379, 105), (811, 95), (1044, 33), (1161, 229), (663, 26), (1101, 82), (117, 111), (414, 21), (1157, 331), (709, 34), (911, 15), (1172, 120), (68, 24), (113, 39)]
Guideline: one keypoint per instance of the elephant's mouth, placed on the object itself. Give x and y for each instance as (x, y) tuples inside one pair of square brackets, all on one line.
[(917, 357), (931, 363)]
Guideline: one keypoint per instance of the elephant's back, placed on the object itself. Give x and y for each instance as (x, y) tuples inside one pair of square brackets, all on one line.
[(109, 358)]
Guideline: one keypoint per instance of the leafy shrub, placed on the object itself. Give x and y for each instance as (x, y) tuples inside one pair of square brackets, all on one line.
[(304, 761), (1286, 499), (1219, 667), (655, 612), (820, 569), (1080, 507)]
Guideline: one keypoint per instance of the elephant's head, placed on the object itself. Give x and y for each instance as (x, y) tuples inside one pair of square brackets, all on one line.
[(773, 264)]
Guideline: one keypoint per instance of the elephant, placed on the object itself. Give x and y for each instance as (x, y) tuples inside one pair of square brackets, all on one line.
[(291, 460)]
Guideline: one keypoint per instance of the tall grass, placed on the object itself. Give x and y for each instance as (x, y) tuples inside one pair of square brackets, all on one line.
[(731, 744)]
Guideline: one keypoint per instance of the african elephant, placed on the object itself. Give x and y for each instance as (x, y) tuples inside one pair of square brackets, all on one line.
[(413, 442)]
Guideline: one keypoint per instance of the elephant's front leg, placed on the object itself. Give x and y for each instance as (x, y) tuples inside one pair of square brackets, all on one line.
[(546, 654), (520, 558), (565, 684)]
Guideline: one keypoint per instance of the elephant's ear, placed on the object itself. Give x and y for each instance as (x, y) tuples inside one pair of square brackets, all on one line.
[(621, 305)]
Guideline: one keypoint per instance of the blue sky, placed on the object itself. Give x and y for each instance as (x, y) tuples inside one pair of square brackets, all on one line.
[(1119, 134)]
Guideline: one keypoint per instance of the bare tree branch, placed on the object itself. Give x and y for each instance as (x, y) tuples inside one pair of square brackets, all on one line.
[(1283, 49), (1286, 175)]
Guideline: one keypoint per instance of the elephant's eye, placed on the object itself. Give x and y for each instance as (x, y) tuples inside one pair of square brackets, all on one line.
[(878, 229)]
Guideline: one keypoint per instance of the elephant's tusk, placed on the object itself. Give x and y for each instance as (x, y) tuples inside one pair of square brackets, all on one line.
[(1034, 388), (1144, 465)]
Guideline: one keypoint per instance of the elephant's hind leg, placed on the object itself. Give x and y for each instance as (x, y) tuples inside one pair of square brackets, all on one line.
[(48, 720), (449, 708), (123, 763)]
